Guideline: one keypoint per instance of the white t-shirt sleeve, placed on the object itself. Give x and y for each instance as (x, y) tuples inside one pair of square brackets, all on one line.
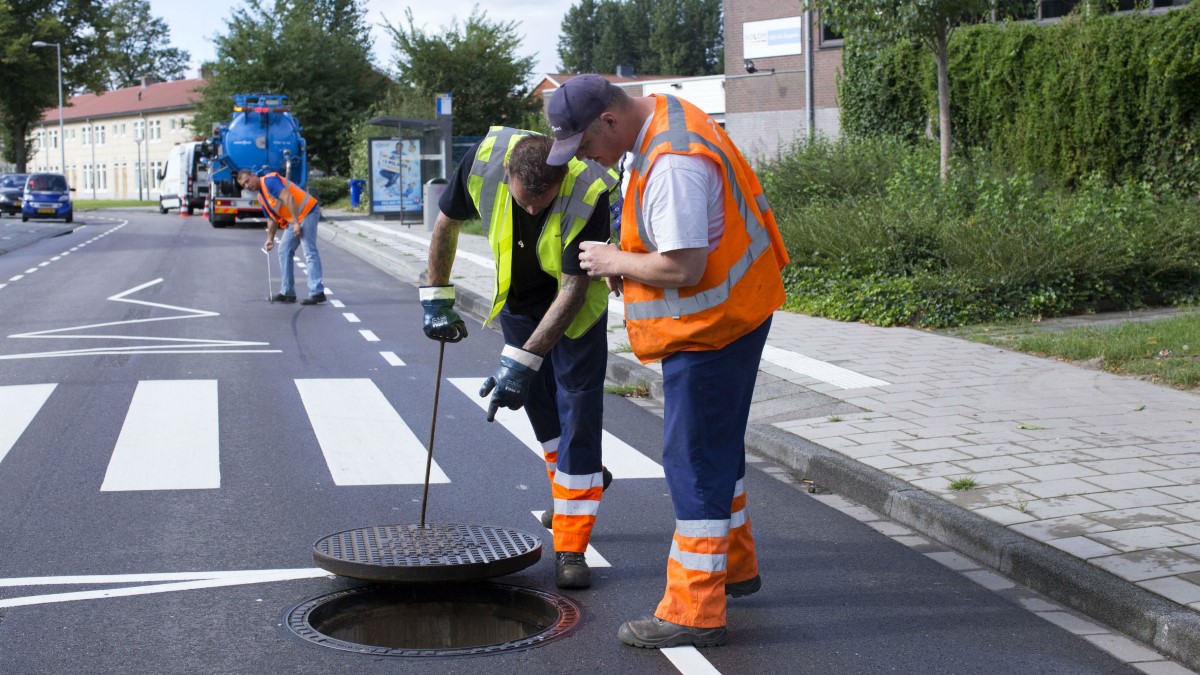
[(684, 203)]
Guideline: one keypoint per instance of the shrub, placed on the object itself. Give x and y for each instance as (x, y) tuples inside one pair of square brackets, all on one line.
[(329, 189)]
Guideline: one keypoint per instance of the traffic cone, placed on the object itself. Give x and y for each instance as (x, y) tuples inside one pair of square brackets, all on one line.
[(204, 213), (183, 209)]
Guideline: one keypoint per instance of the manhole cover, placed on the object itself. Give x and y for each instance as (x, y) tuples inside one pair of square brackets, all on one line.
[(436, 552), (434, 619)]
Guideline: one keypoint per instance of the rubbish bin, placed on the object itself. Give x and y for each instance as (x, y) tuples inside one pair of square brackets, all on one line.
[(429, 198), (356, 191)]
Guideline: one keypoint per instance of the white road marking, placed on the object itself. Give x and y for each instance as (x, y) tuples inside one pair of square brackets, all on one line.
[(363, 438), (337, 303), (352, 318), (689, 661), (621, 459), (189, 581), (591, 555), (369, 336), (170, 439), (17, 278), (20, 403), (819, 370), (173, 346), (391, 358)]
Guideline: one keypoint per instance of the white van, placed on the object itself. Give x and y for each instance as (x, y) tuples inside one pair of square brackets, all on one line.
[(183, 183)]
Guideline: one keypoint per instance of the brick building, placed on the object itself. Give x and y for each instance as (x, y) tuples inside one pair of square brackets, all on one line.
[(769, 65), (116, 142)]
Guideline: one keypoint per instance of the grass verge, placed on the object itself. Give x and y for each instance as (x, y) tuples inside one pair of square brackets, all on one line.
[(1166, 352)]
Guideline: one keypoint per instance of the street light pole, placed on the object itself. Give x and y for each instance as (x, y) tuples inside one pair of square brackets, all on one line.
[(137, 138), (62, 138)]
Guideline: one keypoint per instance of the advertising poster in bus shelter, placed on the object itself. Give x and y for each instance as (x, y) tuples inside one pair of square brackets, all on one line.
[(395, 175)]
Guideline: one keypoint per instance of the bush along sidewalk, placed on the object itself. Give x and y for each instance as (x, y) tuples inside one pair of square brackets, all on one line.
[(885, 241)]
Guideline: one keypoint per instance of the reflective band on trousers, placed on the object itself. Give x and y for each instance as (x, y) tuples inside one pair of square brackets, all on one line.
[(680, 138), (696, 529), (583, 482), (576, 507), (701, 562)]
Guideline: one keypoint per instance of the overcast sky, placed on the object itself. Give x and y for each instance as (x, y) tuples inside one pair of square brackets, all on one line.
[(195, 24)]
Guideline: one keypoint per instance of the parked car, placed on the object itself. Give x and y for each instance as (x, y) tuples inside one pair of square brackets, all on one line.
[(47, 195), (12, 185)]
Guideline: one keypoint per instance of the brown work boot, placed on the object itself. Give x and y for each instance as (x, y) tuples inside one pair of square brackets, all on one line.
[(654, 633), (571, 570)]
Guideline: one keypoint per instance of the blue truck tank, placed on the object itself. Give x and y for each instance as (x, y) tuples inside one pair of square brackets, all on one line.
[(261, 135)]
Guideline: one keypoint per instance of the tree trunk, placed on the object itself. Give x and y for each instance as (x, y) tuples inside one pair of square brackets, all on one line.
[(942, 54), (21, 149)]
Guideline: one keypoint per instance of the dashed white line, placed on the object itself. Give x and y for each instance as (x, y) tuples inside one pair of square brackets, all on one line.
[(351, 317), (369, 336), (337, 303), (391, 358)]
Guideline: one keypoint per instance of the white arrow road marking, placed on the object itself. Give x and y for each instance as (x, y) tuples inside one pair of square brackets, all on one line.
[(185, 581), (622, 459), (174, 346), (170, 439), (20, 404), (364, 439)]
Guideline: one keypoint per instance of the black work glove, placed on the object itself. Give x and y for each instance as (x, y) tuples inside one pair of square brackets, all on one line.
[(512, 380), (441, 321)]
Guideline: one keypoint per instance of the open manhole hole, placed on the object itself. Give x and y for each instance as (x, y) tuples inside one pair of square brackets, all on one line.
[(435, 619)]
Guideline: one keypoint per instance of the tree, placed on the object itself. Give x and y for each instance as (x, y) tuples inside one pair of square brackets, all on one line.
[(476, 63), (29, 75), (931, 22), (580, 35), (139, 45), (317, 52), (677, 37)]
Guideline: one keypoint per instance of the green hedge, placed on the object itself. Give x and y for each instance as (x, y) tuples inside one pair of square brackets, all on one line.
[(329, 189), (875, 235), (1116, 96)]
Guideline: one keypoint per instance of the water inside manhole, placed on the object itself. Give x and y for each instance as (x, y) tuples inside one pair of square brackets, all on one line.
[(435, 619)]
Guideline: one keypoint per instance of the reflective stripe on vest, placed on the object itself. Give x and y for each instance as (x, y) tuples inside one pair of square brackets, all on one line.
[(275, 208), (580, 189), (680, 138), (740, 286)]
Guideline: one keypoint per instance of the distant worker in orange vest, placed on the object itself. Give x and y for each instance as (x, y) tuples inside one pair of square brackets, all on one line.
[(297, 213), (699, 259)]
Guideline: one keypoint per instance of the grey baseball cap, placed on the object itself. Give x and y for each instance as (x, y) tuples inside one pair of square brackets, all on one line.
[(572, 108)]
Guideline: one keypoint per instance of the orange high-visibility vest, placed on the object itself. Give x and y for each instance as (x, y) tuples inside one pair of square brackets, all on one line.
[(275, 207), (741, 285)]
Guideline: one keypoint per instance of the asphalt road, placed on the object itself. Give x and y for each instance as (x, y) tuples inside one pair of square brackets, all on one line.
[(159, 418)]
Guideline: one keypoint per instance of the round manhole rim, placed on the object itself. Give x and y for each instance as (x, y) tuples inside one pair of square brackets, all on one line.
[(570, 614)]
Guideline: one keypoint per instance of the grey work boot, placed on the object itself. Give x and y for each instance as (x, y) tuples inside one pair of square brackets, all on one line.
[(654, 633), (740, 589), (571, 571), (548, 514)]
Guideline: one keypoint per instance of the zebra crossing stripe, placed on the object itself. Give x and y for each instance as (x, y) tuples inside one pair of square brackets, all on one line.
[(20, 404), (363, 438), (622, 459), (170, 439)]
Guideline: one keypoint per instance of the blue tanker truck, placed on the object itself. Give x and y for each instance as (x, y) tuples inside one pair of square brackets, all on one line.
[(262, 136)]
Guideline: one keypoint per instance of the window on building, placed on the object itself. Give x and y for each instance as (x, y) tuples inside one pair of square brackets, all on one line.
[(86, 135), (103, 175), (155, 130), (100, 135), (54, 138), (829, 36), (139, 129)]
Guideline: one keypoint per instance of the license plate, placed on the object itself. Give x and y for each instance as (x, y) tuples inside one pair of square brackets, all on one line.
[(46, 210)]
